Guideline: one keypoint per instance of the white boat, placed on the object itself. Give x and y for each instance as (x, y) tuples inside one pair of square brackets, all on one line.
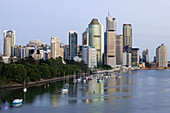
[(17, 101), (25, 90), (79, 80), (66, 86), (84, 81), (118, 76), (64, 90), (98, 80)]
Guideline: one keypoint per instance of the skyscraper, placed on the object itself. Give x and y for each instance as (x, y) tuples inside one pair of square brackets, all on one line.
[(127, 38), (73, 41), (9, 42), (96, 38), (110, 42), (55, 47), (119, 49), (135, 56), (85, 38), (162, 56), (145, 55)]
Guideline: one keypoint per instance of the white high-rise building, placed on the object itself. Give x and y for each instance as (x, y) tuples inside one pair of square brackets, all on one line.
[(127, 59), (55, 47), (9, 43), (89, 56), (162, 56)]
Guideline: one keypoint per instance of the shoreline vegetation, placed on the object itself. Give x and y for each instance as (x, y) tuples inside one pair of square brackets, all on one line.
[(33, 72), (37, 72)]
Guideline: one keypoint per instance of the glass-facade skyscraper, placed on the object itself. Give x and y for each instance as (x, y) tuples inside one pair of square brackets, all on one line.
[(127, 38), (73, 40), (96, 38)]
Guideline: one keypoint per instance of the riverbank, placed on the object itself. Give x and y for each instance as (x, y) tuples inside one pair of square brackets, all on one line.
[(31, 84)]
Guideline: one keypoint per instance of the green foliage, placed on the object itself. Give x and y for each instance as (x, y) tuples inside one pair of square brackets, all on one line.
[(33, 72), (104, 67), (28, 69), (148, 65)]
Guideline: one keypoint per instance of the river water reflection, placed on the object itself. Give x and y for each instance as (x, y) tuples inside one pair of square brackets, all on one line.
[(135, 92)]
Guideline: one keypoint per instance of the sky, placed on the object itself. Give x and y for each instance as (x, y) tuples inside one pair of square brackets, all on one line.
[(41, 19)]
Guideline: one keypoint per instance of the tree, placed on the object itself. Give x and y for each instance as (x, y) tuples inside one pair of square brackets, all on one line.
[(45, 71), (33, 72), (148, 65)]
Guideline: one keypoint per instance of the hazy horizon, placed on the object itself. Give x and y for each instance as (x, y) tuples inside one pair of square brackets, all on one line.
[(41, 19)]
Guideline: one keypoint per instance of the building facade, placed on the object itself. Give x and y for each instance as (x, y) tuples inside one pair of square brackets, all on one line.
[(66, 52), (162, 56), (119, 49), (9, 43), (127, 38), (110, 42), (85, 38), (73, 44), (135, 57), (127, 59), (55, 47), (89, 56), (145, 55), (96, 38)]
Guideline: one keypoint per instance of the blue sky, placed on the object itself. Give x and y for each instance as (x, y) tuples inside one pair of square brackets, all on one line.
[(41, 19)]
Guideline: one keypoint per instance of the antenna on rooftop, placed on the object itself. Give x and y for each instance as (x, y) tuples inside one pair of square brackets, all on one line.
[(109, 12)]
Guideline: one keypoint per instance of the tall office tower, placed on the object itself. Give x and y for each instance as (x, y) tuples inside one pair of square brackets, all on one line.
[(127, 38), (119, 49), (55, 47), (110, 42), (96, 38), (66, 52), (162, 56), (89, 56), (9, 42), (145, 55), (85, 38), (135, 56), (73, 41)]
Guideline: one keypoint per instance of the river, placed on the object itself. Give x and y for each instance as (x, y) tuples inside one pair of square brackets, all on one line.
[(144, 91)]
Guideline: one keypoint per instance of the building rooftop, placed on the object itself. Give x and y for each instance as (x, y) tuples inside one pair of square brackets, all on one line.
[(94, 22)]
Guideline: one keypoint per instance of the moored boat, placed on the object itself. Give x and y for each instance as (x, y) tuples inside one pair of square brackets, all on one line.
[(17, 101)]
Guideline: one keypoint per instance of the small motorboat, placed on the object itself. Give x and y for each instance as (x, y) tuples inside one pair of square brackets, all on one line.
[(17, 101), (89, 78), (118, 76), (84, 81), (79, 80), (98, 80), (64, 90)]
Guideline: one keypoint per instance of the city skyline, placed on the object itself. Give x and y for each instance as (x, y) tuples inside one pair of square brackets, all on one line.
[(37, 25)]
